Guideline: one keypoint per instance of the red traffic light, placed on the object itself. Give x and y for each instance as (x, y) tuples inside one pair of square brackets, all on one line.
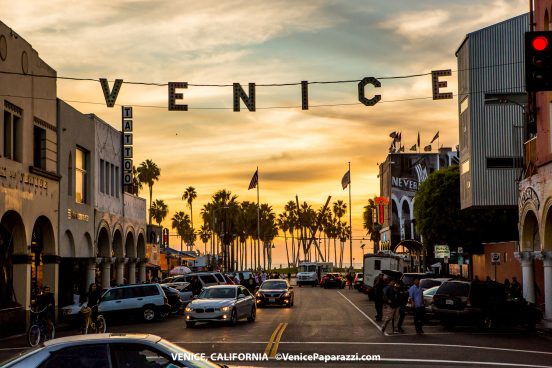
[(540, 43)]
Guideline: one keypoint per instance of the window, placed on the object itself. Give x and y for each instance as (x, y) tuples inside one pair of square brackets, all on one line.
[(39, 148), (377, 264), (504, 162), (102, 176), (107, 178), (464, 105), (112, 175), (81, 175), (138, 356), (12, 135), (86, 356)]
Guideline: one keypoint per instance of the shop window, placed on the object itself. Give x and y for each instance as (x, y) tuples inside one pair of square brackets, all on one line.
[(81, 175)]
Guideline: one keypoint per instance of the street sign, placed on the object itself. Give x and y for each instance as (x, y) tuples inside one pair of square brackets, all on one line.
[(460, 250), (495, 258), (442, 251)]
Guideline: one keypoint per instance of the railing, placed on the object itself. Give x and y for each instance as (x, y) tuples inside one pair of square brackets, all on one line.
[(530, 158)]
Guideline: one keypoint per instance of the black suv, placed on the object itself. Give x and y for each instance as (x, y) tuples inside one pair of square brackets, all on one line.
[(481, 303)]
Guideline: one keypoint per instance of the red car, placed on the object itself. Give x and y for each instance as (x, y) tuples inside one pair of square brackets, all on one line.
[(333, 280)]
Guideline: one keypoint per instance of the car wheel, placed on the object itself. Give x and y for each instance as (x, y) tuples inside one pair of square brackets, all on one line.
[(488, 323), (148, 313), (190, 324), (253, 315), (299, 285), (233, 317), (101, 326)]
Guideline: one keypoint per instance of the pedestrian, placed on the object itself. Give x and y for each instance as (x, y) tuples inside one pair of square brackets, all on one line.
[(289, 276), (263, 276), (516, 289), (237, 279), (350, 280), (196, 286), (379, 285), (403, 301), (391, 298), (416, 294), (476, 279)]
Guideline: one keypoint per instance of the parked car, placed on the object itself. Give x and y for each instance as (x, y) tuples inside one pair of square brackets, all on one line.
[(174, 299), (481, 303), (107, 350), (275, 291), (357, 282), (222, 303), (432, 282), (428, 300), (185, 290), (333, 279), (145, 300), (206, 279), (409, 277)]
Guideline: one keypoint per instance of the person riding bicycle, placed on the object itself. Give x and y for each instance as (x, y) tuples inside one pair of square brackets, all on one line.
[(47, 302), (92, 299)]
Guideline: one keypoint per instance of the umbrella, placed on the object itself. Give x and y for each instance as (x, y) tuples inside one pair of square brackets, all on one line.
[(180, 270)]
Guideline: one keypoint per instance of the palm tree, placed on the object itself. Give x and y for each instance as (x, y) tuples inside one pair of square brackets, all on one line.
[(159, 211), (291, 209), (269, 230), (180, 222), (136, 184), (204, 236), (148, 173), (189, 196), (283, 224), (372, 228)]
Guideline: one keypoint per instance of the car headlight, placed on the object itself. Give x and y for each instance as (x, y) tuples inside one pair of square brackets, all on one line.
[(258, 294), (188, 309), (225, 309), (286, 294)]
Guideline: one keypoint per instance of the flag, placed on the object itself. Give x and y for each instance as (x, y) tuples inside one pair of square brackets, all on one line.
[(427, 148), (413, 148), (418, 139), (346, 179), (399, 137), (393, 135), (254, 180), (434, 138)]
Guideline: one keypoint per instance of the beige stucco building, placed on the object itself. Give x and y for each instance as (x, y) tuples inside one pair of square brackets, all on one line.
[(29, 181)]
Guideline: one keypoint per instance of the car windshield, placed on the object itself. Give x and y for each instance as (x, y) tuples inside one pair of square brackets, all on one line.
[(307, 268), (218, 293), (454, 289), (276, 285)]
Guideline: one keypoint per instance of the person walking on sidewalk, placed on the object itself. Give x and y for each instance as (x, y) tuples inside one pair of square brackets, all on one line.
[(403, 301), (391, 298), (416, 294), (379, 285)]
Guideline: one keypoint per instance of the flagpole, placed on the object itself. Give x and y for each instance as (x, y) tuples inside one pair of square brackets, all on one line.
[(258, 220), (350, 221)]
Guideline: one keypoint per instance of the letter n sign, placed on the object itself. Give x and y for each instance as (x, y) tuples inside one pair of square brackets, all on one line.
[(127, 145)]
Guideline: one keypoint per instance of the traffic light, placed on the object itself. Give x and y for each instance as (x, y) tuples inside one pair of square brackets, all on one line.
[(538, 61)]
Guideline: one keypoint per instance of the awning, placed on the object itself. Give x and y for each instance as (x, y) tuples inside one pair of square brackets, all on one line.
[(187, 256)]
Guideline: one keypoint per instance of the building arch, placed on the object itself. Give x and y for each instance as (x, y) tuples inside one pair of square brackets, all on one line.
[(118, 250), (130, 245), (104, 242), (529, 234), (546, 225), (89, 244), (406, 218), (43, 235), (67, 245), (141, 245), (13, 223)]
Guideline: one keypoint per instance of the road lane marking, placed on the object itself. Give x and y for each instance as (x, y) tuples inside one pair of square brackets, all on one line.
[(462, 362), (277, 341), (417, 344), (271, 341), (364, 314)]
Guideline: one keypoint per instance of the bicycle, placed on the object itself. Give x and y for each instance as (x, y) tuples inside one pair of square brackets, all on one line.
[(40, 330), (99, 326)]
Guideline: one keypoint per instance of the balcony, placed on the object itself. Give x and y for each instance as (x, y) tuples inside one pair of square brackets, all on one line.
[(530, 158)]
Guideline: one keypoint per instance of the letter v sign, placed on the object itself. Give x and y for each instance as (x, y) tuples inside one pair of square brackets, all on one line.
[(111, 97)]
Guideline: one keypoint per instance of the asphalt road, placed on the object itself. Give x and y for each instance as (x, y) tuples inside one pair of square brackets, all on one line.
[(339, 323)]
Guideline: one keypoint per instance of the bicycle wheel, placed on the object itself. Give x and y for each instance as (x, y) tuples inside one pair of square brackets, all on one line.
[(101, 326), (33, 335)]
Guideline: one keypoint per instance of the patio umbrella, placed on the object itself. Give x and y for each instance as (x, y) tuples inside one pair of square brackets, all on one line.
[(180, 270)]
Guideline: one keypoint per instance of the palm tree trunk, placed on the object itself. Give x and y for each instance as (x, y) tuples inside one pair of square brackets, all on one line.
[(292, 247), (335, 251), (151, 195), (287, 251)]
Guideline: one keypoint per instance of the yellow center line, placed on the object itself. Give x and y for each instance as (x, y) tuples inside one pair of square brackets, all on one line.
[(271, 341), (277, 341)]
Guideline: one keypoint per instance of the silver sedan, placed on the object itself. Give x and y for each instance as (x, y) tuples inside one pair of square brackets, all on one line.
[(226, 303), (109, 350)]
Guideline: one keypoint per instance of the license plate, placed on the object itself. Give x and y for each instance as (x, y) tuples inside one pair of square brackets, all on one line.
[(271, 300), (449, 302)]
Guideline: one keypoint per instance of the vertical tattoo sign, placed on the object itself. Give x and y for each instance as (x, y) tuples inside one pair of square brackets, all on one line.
[(127, 145)]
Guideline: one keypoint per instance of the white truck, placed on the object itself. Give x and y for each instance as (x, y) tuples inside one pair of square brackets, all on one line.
[(374, 264), (310, 273)]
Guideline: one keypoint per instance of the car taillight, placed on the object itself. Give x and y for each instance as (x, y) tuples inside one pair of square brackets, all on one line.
[(165, 300), (468, 302)]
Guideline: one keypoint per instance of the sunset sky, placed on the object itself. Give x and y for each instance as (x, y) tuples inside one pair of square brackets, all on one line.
[(302, 153)]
